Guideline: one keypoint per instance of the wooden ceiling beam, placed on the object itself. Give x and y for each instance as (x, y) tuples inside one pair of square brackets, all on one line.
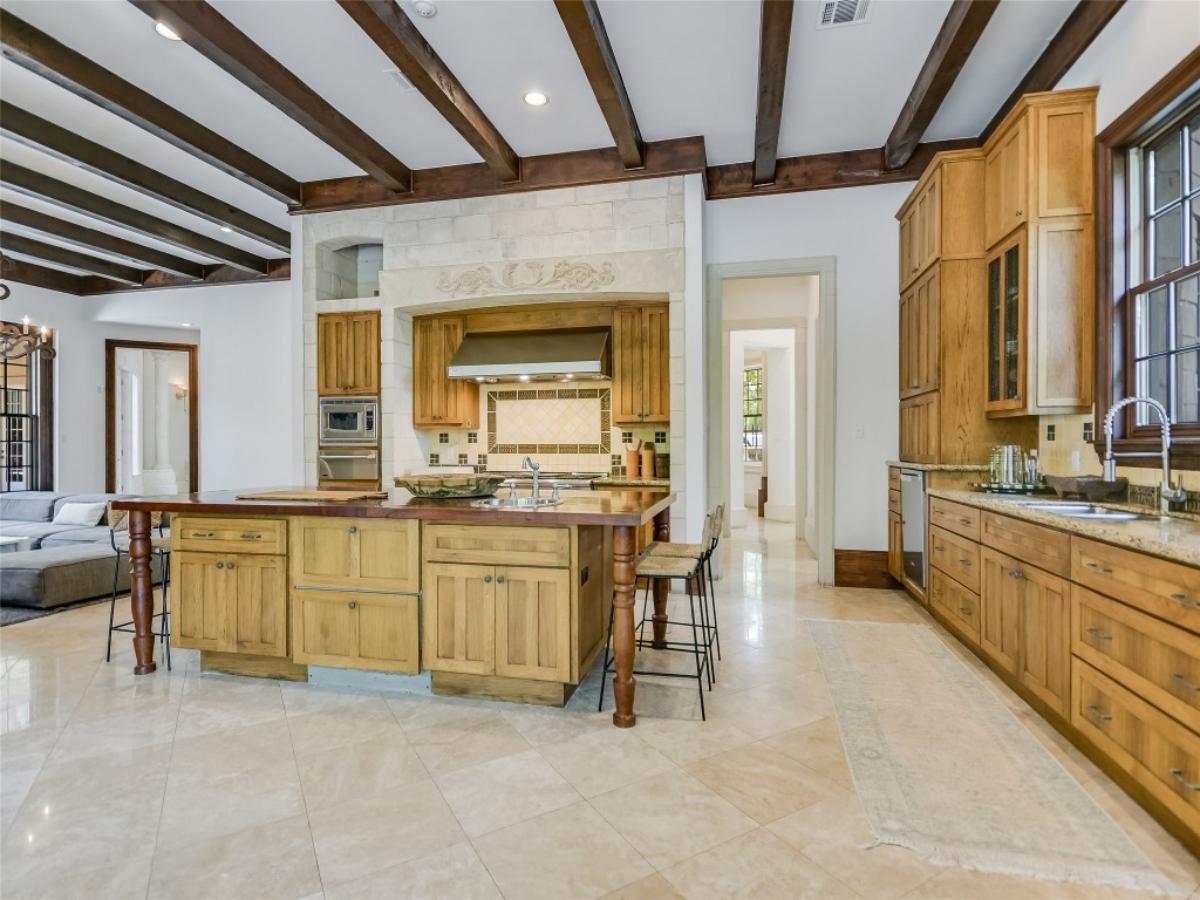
[(586, 30), (823, 171), (34, 131), (91, 239), (25, 45), (680, 156), (212, 35), (386, 24), (73, 259), (35, 184), (1086, 21), (24, 272), (960, 32), (281, 270), (775, 37)]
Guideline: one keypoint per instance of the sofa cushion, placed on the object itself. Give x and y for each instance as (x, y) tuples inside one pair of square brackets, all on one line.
[(28, 506), (99, 534), (84, 515), (35, 531), (63, 499), (60, 575)]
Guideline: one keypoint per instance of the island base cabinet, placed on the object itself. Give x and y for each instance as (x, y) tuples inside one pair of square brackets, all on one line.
[(356, 554), (350, 630), (533, 624), (460, 618), (230, 602), (1000, 599)]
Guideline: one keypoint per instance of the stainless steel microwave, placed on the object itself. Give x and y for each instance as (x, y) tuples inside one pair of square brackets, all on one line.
[(349, 420)]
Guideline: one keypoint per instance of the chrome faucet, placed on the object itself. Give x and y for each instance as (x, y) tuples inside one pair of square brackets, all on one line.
[(1168, 493), (536, 469)]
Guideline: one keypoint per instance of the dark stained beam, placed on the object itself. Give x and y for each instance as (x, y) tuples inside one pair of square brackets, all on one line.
[(281, 270), (385, 23), (35, 184), (775, 37), (91, 239), (34, 131), (960, 32), (823, 171), (1086, 21), (23, 272), (51, 253), (586, 30), (681, 156), (40, 53), (215, 37)]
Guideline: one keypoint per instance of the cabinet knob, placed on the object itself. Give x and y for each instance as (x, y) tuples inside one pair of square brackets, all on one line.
[(499, 579), (353, 529), (220, 565), (352, 605), (487, 579), (1020, 212), (229, 566)]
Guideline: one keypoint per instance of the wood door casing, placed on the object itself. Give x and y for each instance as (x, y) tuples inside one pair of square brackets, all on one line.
[(533, 623), (459, 625)]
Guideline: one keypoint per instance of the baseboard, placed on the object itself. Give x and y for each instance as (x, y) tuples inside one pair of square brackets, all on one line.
[(862, 569)]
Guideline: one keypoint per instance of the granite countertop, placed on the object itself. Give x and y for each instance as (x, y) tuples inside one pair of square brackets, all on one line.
[(938, 467), (1176, 538), (621, 481)]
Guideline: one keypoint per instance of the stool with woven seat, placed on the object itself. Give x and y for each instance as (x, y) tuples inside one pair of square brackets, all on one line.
[(651, 569), (160, 547)]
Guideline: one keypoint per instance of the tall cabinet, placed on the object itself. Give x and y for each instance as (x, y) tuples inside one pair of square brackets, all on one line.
[(942, 289)]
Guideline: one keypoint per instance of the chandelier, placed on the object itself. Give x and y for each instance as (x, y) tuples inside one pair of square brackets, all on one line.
[(19, 341)]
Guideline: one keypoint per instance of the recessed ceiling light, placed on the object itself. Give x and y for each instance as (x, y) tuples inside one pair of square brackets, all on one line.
[(425, 9), (536, 98), (165, 30), (226, 229)]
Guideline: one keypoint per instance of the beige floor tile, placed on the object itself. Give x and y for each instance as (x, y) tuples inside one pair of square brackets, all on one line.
[(343, 724), (127, 879), (601, 761), (757, 864), (114, 734), (378, 764), (225, 753), (274, 861), (468, 740), (504, 791), (654, 887), (454, 873), (366, 834), (818, 746), (956, 884), (552, 726), (683, 741), (570, 853), (301, 698), (416, 712), (836, 835), (671, 817), (220, 703), (763, 783)]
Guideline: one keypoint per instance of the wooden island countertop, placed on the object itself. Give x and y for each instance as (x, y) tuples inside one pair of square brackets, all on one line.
[(624, 511)]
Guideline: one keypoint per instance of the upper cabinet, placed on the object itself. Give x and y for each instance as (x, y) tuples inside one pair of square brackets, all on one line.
[(641, 391), (438, 400), (348, 354), (1038, 210)]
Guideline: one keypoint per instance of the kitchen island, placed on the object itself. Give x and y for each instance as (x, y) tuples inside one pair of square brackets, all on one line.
[(500, 602)]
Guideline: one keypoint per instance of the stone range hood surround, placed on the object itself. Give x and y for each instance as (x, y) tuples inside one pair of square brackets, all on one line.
[(625, 240)]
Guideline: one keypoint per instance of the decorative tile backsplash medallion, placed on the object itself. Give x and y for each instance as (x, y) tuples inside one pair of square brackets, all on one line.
[(549, 420), (524, 277)]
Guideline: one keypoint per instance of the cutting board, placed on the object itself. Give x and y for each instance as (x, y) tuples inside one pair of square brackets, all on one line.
[(308, 496)]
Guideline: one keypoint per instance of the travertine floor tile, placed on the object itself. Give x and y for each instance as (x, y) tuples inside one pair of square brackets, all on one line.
[(601, 761), (454, 873), (465, 741), (504, 791), (763, 783), (654, 887), (818, 746), (377, 764), (342, 724)]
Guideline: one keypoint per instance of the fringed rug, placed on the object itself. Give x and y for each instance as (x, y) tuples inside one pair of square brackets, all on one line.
[(943, 768)]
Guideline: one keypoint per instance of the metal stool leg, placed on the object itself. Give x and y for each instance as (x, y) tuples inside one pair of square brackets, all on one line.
[(696, 648), (112, 607), (645, 606), (699, 584), (165, 621), (713, 596), (604, 668)]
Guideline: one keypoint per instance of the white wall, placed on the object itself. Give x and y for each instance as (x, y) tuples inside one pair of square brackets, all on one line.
[(780, 422), (246, 361)]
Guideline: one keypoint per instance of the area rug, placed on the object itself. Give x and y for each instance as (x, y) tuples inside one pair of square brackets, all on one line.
[(11, 615), (943, 768)]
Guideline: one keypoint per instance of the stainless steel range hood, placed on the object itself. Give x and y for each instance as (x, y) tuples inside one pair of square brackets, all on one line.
[(532, 356)]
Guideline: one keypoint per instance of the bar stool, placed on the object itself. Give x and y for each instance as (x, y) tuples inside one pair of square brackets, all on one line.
[(704, 552), (650, 570), (160, 547)]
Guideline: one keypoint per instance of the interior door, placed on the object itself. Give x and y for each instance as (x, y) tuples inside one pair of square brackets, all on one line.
[(460, 618), (533, 623)]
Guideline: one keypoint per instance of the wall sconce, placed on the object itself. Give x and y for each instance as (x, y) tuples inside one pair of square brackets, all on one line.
[(180, 391)]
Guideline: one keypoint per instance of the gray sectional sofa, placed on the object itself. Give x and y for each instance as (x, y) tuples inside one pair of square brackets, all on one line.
[(67, 563)]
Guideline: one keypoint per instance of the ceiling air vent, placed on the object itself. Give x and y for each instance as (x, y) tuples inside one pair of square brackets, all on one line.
[(842, 12)]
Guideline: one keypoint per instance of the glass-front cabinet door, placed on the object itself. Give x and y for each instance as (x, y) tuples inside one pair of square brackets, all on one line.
[(1006, 337)]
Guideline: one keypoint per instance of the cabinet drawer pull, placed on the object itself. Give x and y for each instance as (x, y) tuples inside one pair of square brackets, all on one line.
[(487, 579), (1186, 600), (352, 604), (1177, 774), (1099, 713), (1016, 573), (965, 610), (938, 548), (964, 562), (220, 565), (1099, 635), (251, 536), (201, 534), (965, 521), (1182, 679), (1096, 567)]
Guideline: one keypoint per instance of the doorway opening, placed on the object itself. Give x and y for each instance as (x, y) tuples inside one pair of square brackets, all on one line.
[(151, 418)]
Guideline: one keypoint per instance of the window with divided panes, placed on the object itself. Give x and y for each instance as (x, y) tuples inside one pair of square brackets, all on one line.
[(752, 413), (19, 424)]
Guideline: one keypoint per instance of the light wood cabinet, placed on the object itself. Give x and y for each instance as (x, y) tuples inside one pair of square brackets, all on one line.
[(1168, 590), (1043, 547), (1000, 599), (920, 428), (896, 546), (1007, 178), (641, 388), (227, 602), (356, 553), (533, 623), (921, 228), (459, 628), (920, 336), (355, 630), (348, 354), (959, 606), (1045, 657), (962, 520), (438, 400), (955, 555)]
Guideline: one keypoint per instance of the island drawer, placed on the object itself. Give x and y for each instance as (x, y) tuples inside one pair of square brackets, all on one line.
[(498, 545), (1165, 589), (355, 553), (1033, 544), (956, 556), (954, 517), (1155, 660), (957, 605), (1157, 752), (216, 534)]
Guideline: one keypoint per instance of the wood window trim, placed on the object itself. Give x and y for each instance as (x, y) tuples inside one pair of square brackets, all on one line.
[(111, 345), (1114, 369)]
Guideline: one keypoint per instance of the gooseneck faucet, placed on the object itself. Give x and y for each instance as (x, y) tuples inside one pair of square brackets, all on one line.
[(536, 469), (1168, 493)]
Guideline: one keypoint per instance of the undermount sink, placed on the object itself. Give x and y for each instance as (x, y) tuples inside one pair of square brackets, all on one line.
[(516, 502), (1089, 511)]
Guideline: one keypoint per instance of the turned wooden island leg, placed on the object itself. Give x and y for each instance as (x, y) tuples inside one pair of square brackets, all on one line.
[(141, 591), (662, 533), (624, 590)]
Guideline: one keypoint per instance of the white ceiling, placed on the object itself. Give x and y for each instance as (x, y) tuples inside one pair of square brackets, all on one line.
[(690, 66)]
